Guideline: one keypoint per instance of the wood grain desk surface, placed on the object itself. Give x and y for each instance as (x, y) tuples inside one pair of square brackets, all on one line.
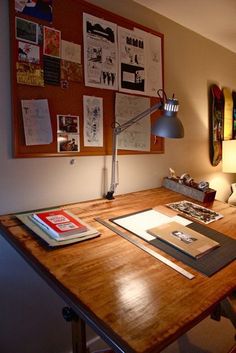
[(124, 293)]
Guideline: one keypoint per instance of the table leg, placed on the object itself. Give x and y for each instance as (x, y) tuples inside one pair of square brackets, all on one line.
[(78, 329), (225, 308), (78, 336), (229, 310)]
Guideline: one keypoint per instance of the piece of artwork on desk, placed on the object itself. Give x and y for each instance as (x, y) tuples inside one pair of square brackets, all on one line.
[(93, 121), (51, 42), (100, 52), (37, 122), (68, 137), (29, 74), (52, 70), (28, 52), (137, 136), (41, 9), (131, 61), (27, 30), (193, 210), (185, 239)]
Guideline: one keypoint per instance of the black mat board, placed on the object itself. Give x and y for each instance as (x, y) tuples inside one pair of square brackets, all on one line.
[(209, 263)]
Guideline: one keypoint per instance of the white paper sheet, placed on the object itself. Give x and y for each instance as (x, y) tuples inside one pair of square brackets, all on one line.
[(37, 122), (131, 61), (153, 63), (70, 51), (137, 136), (138, 223), (100, 52)]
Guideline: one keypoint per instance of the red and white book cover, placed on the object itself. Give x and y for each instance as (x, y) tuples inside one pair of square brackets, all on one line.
[(59, 223)]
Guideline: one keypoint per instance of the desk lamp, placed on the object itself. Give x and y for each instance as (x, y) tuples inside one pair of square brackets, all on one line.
[(229, 164), (167, 125)]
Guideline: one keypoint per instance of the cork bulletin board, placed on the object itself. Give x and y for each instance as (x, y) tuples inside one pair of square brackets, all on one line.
[(42, 80)]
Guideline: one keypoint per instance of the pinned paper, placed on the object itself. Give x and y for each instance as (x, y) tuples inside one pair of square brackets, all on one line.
[(37, 122)]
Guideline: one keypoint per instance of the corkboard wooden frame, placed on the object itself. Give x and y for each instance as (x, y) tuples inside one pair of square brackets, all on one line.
[(68, 18)]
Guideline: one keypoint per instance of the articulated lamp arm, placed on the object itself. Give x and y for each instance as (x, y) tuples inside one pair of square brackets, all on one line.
[(167, 125), (115, 132)]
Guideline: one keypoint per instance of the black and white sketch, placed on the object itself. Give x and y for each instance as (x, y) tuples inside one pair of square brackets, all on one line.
[(153, 62), (131, 61), (93, 121), (100, 52), (137, 136)]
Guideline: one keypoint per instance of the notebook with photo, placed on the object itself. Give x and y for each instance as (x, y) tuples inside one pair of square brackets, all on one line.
[(183, 238)]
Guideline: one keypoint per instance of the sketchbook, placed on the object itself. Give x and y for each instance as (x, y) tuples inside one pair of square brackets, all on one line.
[(185, 239)]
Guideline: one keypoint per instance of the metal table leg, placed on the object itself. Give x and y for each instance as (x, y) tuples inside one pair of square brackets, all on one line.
[(78, 330)]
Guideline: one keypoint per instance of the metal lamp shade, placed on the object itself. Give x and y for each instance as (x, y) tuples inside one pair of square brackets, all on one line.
[(169, 125)]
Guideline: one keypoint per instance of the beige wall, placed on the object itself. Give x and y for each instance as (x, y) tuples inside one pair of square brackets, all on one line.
[(192, 63)]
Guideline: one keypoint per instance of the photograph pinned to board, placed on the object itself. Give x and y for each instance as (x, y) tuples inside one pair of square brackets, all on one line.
[(28, 52), (68, 137), (93, 121), (71, 67), (27, 31), (100, 52), (51, 42), (35, 8), (36, 121), (71, 72), (200, 213), (71, 51), (29, 74), (51, 70)]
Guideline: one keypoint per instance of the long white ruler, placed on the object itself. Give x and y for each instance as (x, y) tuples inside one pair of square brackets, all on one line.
[(153, 253)]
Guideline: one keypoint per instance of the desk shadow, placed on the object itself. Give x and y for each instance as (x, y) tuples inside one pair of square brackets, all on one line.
[(185, 346)]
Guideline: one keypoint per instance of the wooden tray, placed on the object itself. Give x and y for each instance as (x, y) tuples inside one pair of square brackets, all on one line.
[(203, 196)]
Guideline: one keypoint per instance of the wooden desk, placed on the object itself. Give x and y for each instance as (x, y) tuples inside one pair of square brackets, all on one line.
[(133, 301)]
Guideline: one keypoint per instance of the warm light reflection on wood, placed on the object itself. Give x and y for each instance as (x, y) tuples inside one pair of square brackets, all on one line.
[(135, 299)]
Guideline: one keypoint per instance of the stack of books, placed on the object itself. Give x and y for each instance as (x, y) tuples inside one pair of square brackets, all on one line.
[(58, 227)]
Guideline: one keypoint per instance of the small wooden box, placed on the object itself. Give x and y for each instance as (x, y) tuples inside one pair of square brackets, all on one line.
[(203, 196)]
